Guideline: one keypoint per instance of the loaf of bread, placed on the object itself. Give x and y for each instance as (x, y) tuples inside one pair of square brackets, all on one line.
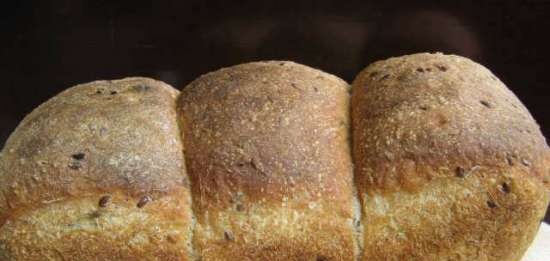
[(424, 157)]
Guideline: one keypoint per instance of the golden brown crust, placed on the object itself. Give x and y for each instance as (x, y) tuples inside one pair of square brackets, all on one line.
[(449, 165), (267, 146), (93, 141), (448, 162), (77, 229)]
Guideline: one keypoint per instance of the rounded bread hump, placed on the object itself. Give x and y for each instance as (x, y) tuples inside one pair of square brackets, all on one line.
[(448, 162), (266, 146), (95, 163), (263, 121), (438, 110)]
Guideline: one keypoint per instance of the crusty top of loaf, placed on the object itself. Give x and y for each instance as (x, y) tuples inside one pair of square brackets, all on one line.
[(103, 136), (267, 152), (429, 113), (257, 127)]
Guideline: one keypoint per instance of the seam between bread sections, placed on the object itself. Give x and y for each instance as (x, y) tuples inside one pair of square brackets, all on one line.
[(181, 137), (357, 224), (3, 216), (357, 204)]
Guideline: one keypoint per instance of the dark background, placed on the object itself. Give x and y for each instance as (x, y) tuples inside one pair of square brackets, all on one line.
[(48, 46)]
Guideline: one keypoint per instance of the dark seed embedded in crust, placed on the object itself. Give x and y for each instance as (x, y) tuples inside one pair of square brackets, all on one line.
[(385, 77), (460, 172), (143, 201), (491, 204), (172, 239), (113, 92), (504, 187), (443, 120), (103, 201), (485, 103), (228, 236), (441, 68), (295, 86), (420, 70), (239, 207), (78, 156)]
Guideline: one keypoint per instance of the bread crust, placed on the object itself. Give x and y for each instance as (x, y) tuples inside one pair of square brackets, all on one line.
[(95, 164), (267, 152), (449, 164)]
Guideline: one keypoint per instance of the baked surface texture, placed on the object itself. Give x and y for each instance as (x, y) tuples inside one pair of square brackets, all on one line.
[(449, 164), (266, 145), (97, 173), (426, 157)]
